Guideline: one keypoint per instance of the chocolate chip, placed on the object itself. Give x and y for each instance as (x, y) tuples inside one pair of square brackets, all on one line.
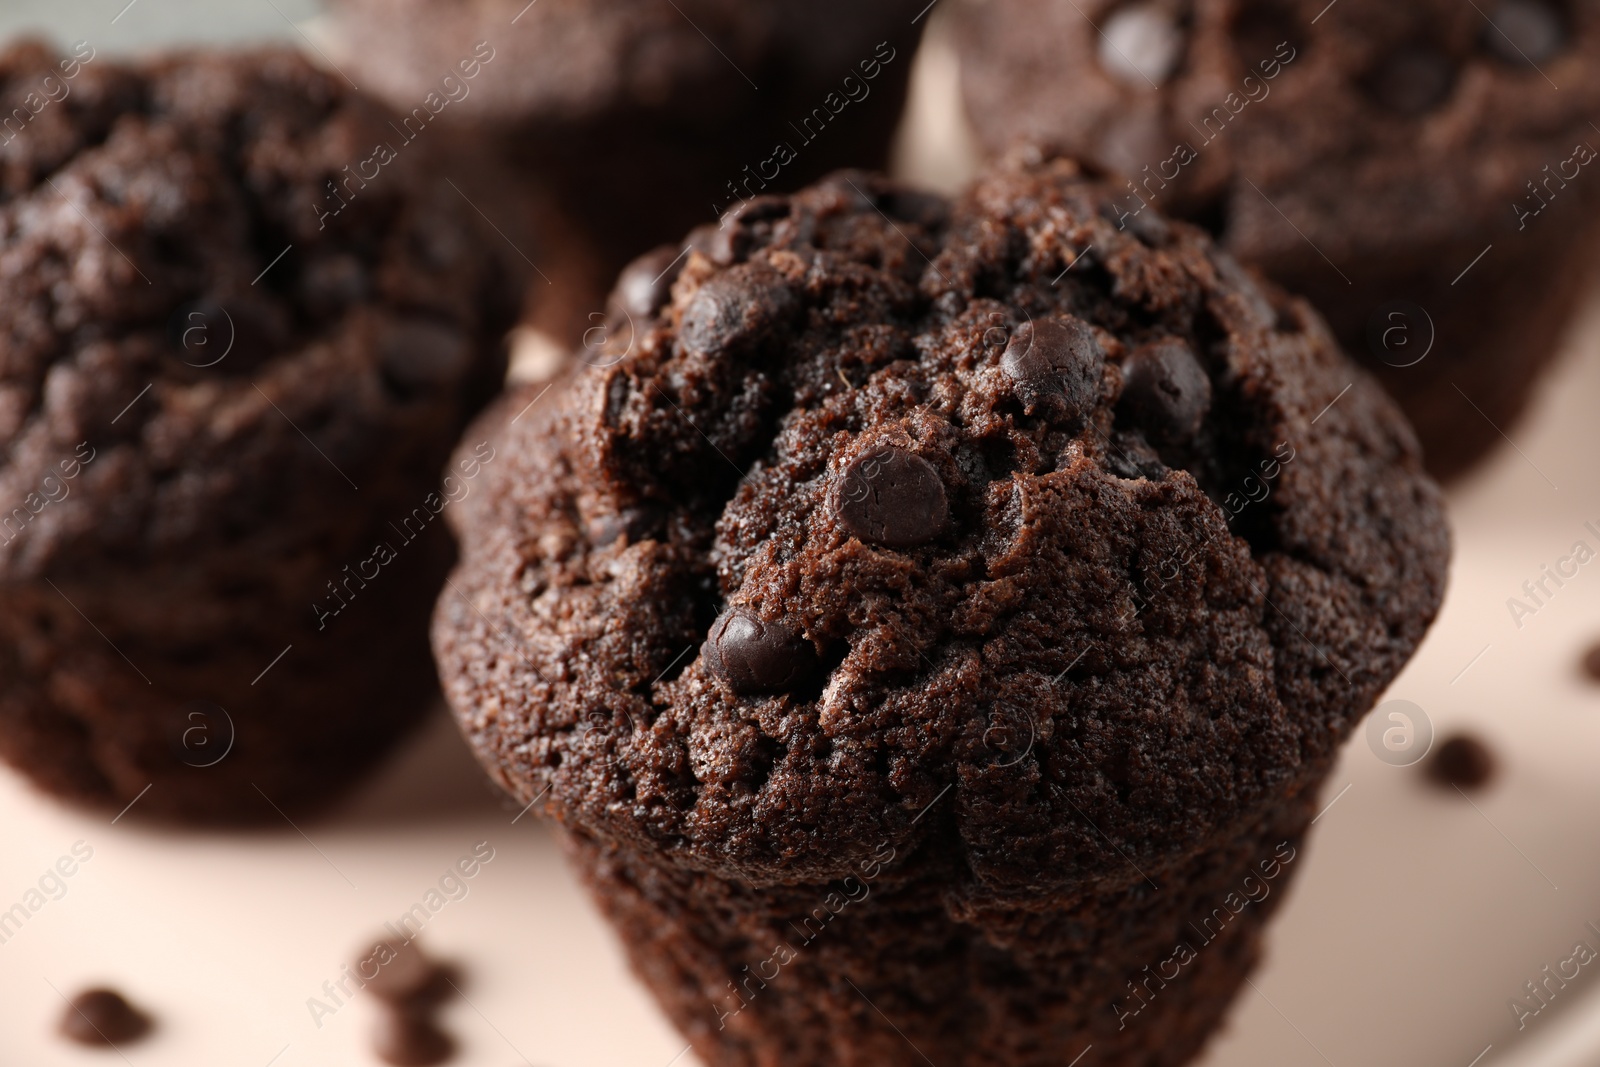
[(1591, 663), (1525, 32), (645, 284), (1413, 80), (102, 1017), (891, 497), (410, 1040), (755, 656), (395, 971), (1055, 367), (1462, 761), (734, 311), (1141, 44), (1165, 391)]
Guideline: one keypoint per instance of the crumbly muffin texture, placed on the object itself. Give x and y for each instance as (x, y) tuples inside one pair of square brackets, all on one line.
[(987, 528)]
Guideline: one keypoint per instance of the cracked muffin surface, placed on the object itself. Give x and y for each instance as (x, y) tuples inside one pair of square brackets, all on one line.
[(1083, 526)]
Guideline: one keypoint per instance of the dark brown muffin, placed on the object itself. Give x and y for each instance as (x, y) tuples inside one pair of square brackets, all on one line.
[(918, 623), (640, 118), (232, 370), (1365, 154)]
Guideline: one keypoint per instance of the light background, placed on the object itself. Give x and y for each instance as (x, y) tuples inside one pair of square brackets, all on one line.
[(1417, 915)]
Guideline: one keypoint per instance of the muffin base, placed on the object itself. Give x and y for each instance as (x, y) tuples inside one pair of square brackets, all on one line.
[(221, 732), (903, 968)]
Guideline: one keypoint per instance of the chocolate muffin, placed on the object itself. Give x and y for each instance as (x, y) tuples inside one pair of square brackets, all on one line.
[(923, 620), (1418, 170), (232, 372), (639, 118)]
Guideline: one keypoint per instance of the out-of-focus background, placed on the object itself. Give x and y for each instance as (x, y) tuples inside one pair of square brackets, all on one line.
[(1420, 913)]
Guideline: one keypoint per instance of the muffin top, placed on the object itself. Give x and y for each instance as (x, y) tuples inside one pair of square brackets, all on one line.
[(982, 521), (1367, 122), (231, 324), (686, 62)]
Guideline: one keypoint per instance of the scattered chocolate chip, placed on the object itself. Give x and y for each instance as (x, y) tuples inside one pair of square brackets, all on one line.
[(1591, 663), (1055, 367), (1462, 761), (442, 984), (889, 496), (733, 310), (1165, 391), (754, 656), (102, 1017), (410, 1040), (1413, 80), (645, 284), (1525, 32), (1141, 44), (403, 971)]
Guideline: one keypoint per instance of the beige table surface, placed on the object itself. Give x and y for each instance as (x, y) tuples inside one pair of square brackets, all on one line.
[(1417, 916)]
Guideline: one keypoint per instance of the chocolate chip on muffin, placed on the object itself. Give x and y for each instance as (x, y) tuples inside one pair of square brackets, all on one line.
[(234, 369), (1056, 365), (912, 477), (754, 656)]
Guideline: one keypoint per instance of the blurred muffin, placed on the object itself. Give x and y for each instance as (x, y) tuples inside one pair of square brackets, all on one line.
[(236, 347), (639, 118), (929, 614), (1364, 153)]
